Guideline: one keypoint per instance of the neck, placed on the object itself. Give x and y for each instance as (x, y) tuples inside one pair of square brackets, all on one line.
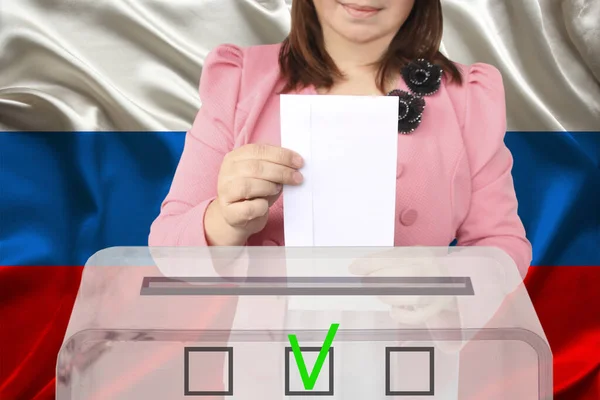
[(353, 58)]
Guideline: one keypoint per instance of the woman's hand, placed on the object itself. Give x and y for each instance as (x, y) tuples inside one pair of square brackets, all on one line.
[(250, 181), (407, 262)]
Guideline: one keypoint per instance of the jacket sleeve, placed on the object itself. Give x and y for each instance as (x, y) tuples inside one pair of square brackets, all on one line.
[(194, 186), (492, 219)]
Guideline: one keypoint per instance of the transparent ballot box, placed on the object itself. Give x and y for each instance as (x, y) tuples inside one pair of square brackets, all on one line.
[(275, 323)]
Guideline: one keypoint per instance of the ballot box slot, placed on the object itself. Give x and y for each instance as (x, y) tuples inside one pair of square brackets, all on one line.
[(308, 286)]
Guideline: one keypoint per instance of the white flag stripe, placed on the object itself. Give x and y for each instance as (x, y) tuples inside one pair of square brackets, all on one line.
[(135, 65)]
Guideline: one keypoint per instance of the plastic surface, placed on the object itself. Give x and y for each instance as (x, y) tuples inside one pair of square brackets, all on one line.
[(445, 323)]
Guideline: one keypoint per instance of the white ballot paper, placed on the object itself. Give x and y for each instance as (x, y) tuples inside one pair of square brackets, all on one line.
[(349, 144)]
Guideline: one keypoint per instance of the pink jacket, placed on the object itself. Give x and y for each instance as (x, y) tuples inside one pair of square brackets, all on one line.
[(454, 171)]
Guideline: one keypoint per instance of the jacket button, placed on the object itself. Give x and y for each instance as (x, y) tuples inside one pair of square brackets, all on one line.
[(399, 171), (269, 242), (408, 217)]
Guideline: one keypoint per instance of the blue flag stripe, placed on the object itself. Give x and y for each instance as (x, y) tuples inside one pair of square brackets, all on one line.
[(65, 195)]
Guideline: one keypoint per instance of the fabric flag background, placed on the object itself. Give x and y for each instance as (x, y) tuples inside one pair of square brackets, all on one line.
[(96, 96)]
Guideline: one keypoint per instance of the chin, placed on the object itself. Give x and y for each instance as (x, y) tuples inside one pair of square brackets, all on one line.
[(365, 31), (361, 35)]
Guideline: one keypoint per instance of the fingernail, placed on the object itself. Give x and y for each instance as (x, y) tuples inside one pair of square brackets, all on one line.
[(298, 161), (298, 178), (278, 187)]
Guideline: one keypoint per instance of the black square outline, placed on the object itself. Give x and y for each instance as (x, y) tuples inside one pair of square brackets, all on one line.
[(288, 392), (388, 353), (186, 371)]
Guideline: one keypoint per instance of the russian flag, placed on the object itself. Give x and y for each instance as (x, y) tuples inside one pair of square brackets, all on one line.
[(96, 96)]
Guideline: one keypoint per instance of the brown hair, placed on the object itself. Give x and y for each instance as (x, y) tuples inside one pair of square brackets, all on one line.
[(303, 59)]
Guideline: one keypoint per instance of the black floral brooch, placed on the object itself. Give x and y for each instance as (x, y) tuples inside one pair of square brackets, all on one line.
[(423, 79)]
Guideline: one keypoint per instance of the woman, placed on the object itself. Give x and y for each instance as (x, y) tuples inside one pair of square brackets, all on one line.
[(454, 171)]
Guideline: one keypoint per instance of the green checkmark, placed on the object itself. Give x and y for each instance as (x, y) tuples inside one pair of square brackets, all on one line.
[(310, 380)]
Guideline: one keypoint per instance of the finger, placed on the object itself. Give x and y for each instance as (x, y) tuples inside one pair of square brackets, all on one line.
[(273, 154), (416, 314), (363, 266), (374, 265), (273, 199), (367, 265), (407, 317), (241, 213), (268, 171), (248, 188), (401, 301), (416, 301), (398, 266)]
